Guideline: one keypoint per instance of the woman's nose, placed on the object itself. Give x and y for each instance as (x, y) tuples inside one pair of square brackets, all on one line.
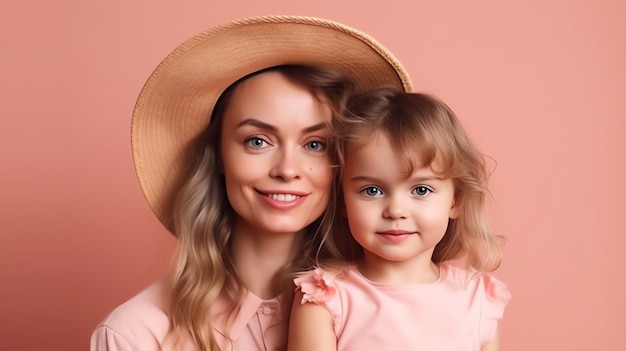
[(285, 165)]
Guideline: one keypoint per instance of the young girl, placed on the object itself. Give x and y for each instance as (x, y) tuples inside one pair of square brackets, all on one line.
[(413, 194), (229, 139)]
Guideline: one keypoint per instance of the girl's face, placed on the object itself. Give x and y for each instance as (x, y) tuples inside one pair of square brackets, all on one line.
[(395, 216), (274, 155)]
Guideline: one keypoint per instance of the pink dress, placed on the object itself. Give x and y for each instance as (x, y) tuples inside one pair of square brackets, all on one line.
[(141, 324), (458, 312)]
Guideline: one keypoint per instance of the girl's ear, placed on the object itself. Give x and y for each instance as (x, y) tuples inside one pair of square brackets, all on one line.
[(455, 208)]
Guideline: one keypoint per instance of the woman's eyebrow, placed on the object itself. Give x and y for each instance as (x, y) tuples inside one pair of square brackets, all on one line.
[(256, 123), (315, 128), (262, 125)]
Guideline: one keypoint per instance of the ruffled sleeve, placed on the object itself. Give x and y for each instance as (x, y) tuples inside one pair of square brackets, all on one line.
[(496, 297), (317, 286)]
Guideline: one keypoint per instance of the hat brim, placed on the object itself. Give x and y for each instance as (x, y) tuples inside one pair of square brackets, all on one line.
[(176, 103)]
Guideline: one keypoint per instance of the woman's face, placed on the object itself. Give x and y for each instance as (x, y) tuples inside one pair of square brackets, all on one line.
[(274, 155)]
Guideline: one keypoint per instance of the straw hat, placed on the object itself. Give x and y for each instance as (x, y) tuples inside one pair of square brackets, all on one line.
[(176, 103)]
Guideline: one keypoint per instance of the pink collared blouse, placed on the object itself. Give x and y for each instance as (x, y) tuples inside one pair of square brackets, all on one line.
[(140, 324)]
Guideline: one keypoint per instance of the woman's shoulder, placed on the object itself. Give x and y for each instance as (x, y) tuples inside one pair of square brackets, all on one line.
[(146, 305), (139, 323)]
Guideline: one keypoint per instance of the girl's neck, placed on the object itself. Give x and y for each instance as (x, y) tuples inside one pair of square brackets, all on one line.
[(259, 257), (414, 271)]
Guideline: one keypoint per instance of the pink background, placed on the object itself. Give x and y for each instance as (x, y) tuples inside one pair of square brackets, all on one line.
[(540, 86)]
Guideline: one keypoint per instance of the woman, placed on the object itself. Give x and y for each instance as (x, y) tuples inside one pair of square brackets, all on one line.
[(230, 147)]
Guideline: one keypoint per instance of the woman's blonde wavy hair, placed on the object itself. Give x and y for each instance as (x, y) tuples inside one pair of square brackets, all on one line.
[(202, 220), (422, 129)]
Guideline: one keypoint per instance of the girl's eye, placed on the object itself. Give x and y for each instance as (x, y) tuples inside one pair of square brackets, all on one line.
[(256, 143), (422, 190), (372, 191), (316, 145)]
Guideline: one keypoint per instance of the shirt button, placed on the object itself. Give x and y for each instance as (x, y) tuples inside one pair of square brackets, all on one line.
[(265, 309)]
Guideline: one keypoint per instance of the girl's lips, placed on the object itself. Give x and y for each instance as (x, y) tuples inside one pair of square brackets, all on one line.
[(396, 232), (396, 236)]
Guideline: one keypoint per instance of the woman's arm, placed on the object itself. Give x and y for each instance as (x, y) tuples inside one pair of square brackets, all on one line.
[(310, 327)]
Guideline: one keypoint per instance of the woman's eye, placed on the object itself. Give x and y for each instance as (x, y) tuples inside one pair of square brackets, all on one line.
[(316, 145), (422, 190), (372, 191), (256, 143)]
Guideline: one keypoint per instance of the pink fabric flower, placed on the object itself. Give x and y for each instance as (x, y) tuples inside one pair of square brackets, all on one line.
[(317, 286)]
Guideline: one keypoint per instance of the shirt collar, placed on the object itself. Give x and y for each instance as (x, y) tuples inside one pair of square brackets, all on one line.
[(250, 304)]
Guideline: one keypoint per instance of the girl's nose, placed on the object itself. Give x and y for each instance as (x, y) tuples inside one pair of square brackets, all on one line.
[(395, 208)]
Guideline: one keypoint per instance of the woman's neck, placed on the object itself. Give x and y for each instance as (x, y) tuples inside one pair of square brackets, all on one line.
[(259, 257)]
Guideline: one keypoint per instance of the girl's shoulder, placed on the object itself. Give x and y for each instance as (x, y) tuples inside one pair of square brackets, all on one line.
[(319, 285), (494, 291), (483, 292)]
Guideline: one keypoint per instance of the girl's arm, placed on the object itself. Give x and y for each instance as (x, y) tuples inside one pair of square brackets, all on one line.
[(310, 327), (493, 344)]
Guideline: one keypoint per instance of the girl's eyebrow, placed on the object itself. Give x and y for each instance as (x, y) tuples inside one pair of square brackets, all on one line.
[(262, 125), (364, 179), (427, 178), (415, 179)]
